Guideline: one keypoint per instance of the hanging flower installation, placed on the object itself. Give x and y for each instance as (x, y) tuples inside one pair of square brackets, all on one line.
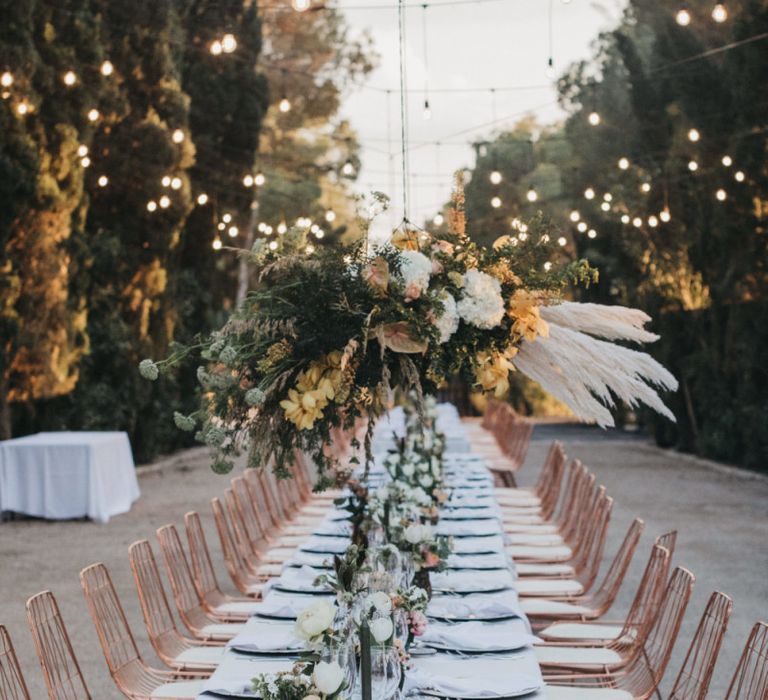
[(326, 336)]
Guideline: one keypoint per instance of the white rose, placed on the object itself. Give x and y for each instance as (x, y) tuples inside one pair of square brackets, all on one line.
[(423, 466), (413, 533), (481, 304), (381, 601), (407, 469), (328, 677), (382, 629), (314, 620), (426, 480)]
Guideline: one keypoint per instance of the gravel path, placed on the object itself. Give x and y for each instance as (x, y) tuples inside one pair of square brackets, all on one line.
[(722, 516)]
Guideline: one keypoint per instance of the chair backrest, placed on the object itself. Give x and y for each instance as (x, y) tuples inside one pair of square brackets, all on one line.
[(236, 563), (117, 642), (609, 587), (581, 519), (590, 555), (185, 595), (163, 634), (668, 540), (203, 573), (550, 480), (575, 498), (645, 671), (250, 551), (750, 681), (250, 519), (12, 684), (692, 682), (646, 601), (63, 677)]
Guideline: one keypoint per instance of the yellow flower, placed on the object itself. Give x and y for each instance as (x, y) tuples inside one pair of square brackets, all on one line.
[(492, 371), (310, 377), (303, 409), (524, 308)]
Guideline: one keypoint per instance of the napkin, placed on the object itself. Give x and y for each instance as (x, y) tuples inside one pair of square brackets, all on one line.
[(476, 677), (334, 528), (478, 561), (233, 675), (265, 636), (470, 581), (477, 606), (469, 528), (325, 545), (479, 636), (284, 605), (482, 513), (318, 561), (478, 545), (298, 579)]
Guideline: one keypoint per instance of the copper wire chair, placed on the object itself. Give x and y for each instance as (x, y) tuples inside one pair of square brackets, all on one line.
[(63, 677), (131, 674), (642, 675), (750, 681), (544, 494), (200, 621), (203, 573), (176, 651), (12, 683), (693, 681)]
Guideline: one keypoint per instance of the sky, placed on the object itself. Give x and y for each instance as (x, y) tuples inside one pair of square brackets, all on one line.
[(480, 45)]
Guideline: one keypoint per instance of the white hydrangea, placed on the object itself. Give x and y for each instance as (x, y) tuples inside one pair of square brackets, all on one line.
[(481, 304), (415, 270), (448, 322)]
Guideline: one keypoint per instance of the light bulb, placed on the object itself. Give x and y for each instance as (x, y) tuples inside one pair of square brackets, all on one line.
[(151, 205), (216, 48), (103, 181), (221, 226), (273, 245), (608, 197), (330, 216), (637, 222), (259, 179), (694, 135), (495, 177), (93, 115), (282, 227), (550, 71), (285, 105), (262, 227), (683, 17), (427, 113), (739, 176), (226, 218), (496, 202), (348, 169), (531, 195), (574, 216), (719, 13), (301, 5), (547, 266), (589, 193), (107, 69), (594, 118), (623, 163), (438, 220), (653, 222), (319, 234), (693, 166), (582, 226), (82, 150), (166, 181), (665, 216), (228, 43), (85, 162), (592, 233), (165, 202), (217, 243), (6, 79), (233, 231), (721, 195), (268, 230), (69, 78), (645, 188), (309, 249), (625, 218), (202, 199), (177, 136), (248, 180), (727, 161), (562, 241), (176, 183), (605, 206)]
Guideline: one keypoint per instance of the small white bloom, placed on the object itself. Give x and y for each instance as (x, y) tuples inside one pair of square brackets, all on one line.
[(314, 620), (416, 533), (328, 677), (382, 629), (415, 269), (254, 397), (448, 322), (407, 469), (149, 370), (481, 303), (380, 601), (426, 481)]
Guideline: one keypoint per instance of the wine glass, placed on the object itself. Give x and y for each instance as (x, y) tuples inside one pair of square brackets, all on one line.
[(342, 652), (385, 672)]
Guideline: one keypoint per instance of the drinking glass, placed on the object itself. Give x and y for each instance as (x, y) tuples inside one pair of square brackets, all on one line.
[(342, 652), (385, 673)]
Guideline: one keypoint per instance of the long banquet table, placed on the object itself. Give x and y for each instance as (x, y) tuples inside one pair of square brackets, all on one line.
[(481, 636)]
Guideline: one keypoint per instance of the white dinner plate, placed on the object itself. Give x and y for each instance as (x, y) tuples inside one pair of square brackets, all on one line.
[(519, 694)]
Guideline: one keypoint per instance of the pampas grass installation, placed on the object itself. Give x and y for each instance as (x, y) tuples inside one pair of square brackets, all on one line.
[(586, 373)]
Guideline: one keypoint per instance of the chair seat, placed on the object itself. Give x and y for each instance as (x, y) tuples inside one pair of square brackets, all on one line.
[(553, 554), (528, 539), (522, 518), (593, 657), (533, 569), (278, 555), (200, 657), (530, 528), (512, 507), (568, 692), (180, 690), (545, 587), (543, 606), (238, 607), (222, 631), (565, 631), (296, 532)]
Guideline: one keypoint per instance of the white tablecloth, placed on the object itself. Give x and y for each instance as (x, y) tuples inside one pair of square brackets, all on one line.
[(68, 475)]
